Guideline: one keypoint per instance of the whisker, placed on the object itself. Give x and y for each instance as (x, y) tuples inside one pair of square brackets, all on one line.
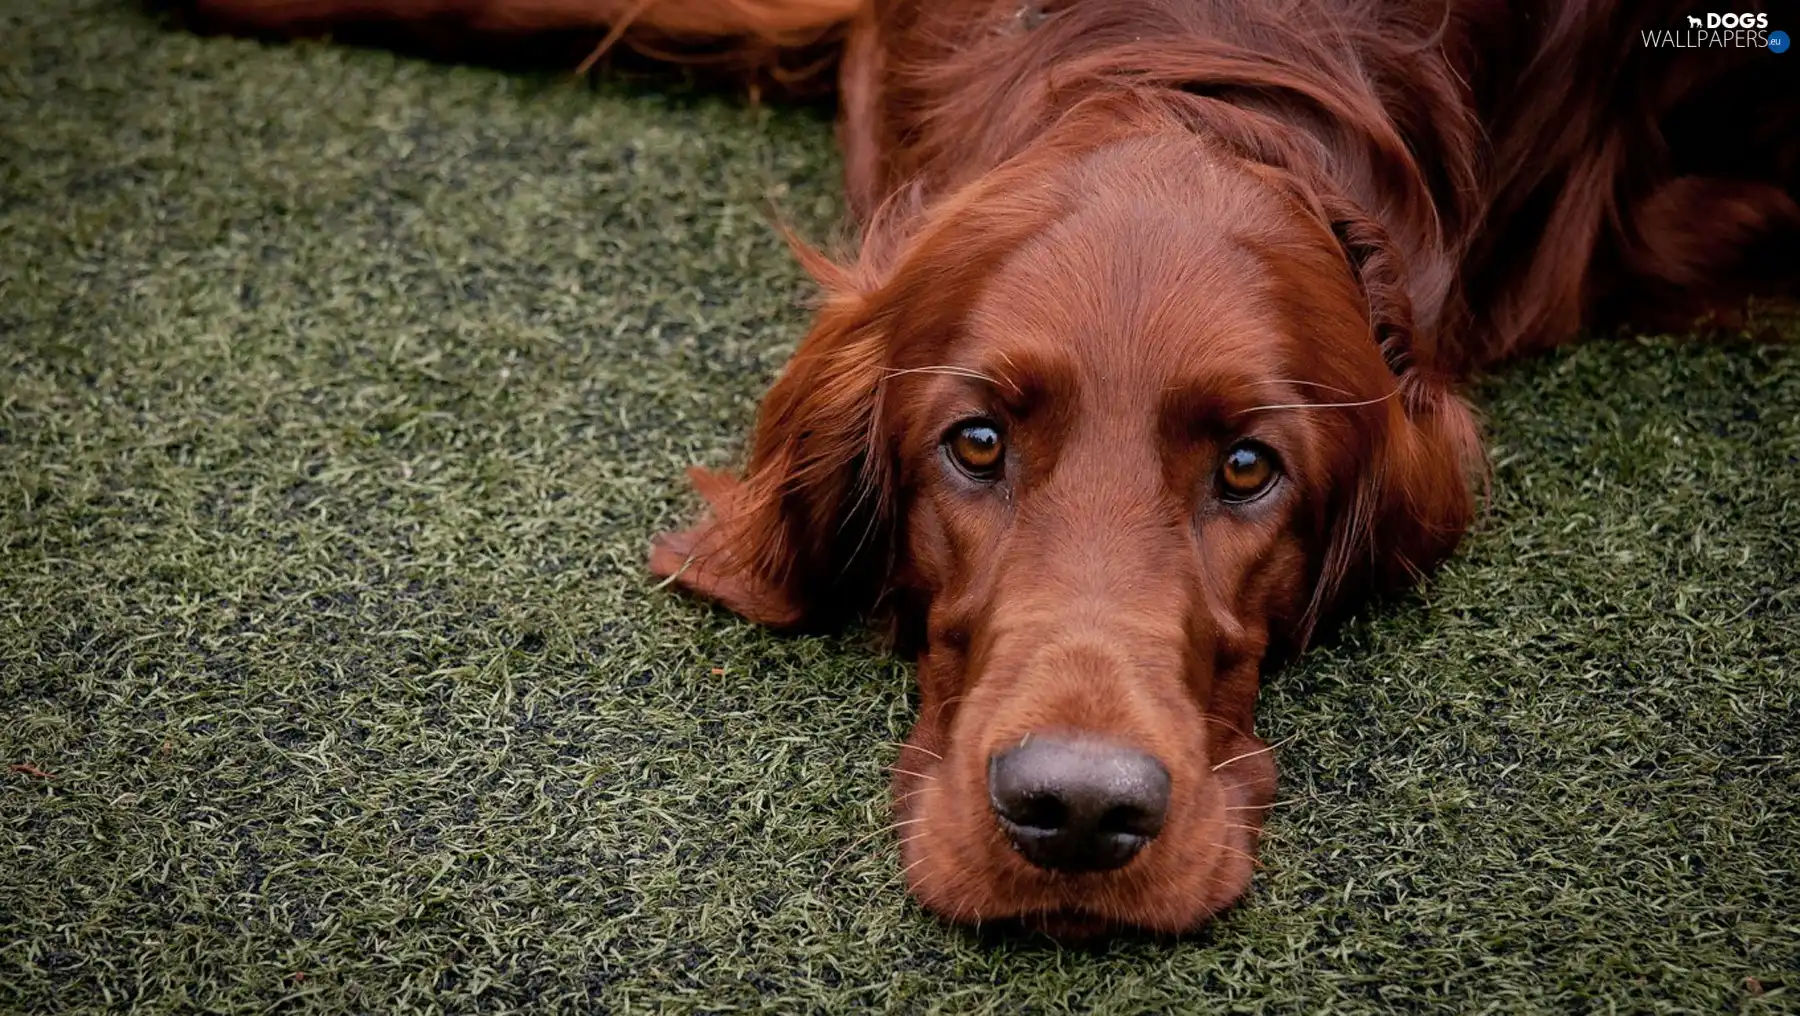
[(957, 917), (859, 841), (909, 772), (876, 894), (1239, 731), (946, 370), (1012, 883), (895, 876), (1319, 405), (1259, 807), (903, 746), (1252, 754), (1306, 384), (921, 859), (947, 703), (1010, 382), (925, 879), (1233, 850), (1172, 886)]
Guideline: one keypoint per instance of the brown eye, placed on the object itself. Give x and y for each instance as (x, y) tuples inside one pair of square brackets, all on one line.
[(977, 447), (1248, 471)]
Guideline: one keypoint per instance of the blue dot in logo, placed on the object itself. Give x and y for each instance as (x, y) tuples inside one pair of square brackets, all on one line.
[(1778, 42)]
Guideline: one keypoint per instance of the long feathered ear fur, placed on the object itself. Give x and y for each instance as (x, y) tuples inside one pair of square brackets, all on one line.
[(800, 538), (1417, 499)]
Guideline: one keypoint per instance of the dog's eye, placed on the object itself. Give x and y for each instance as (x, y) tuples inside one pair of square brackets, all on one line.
[(1248, 471), (977, 447)]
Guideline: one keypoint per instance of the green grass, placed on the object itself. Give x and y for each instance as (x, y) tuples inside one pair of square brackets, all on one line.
[(339, 395)]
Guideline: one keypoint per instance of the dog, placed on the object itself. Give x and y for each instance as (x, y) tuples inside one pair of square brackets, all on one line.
[(1147, 364)]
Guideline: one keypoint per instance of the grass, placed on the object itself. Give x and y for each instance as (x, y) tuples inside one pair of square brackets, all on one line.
[(339, 394)]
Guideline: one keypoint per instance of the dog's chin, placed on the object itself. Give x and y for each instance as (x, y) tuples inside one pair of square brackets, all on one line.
[(1069, 926), (1082, 924)]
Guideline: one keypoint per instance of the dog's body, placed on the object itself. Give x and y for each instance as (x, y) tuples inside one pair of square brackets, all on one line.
[(1574, 174), (1147, 361)]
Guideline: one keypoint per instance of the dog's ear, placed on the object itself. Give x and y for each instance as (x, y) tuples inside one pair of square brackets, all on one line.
[(1420, 498), (793, 541), (1417, 498)]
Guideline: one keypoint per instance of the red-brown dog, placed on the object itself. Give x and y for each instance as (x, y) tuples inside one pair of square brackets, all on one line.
[(1145, 366)]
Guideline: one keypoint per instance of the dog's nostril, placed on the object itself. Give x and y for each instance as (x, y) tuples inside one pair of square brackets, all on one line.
[(1041, 811), (1078, 804), (1131, 819)]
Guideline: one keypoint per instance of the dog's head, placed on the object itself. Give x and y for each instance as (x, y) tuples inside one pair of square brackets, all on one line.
[(1113, 426)]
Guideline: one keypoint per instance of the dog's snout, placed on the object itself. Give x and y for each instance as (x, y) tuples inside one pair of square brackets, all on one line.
[(1078, 804)]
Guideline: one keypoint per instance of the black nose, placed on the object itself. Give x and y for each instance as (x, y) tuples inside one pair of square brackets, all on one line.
[(1078, 805)]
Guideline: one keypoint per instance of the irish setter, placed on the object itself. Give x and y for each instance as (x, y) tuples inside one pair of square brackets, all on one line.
[(1147, 363)]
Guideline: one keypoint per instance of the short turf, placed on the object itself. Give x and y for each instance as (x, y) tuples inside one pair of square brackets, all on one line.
[(339, 396)]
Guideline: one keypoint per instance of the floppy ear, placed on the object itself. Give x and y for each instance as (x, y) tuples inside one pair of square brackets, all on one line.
[(1416, 500), (791, 542), (1421, 496)]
